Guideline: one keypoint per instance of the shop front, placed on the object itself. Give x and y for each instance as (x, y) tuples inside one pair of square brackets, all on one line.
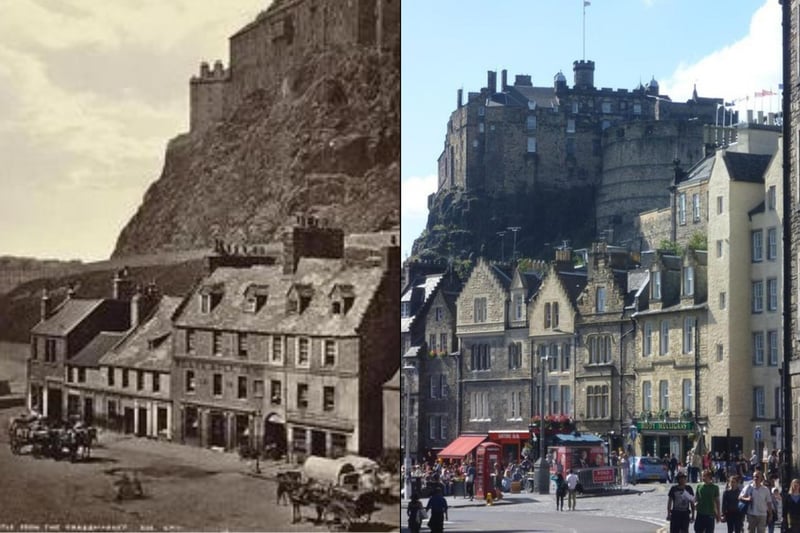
[(511, 443), (661, 438)]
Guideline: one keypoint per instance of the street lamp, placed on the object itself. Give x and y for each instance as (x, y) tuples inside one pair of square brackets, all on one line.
[(543, 475), (409, 369)]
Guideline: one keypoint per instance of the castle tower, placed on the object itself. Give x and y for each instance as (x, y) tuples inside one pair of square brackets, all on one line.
[(559, 82), (584, 74)]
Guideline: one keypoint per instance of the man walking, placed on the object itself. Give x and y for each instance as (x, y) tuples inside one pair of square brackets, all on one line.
[(680, 505), (572, 489), (759, 508), (708, 513)]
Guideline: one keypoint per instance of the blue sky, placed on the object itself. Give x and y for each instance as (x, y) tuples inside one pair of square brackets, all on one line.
[(729, 49)]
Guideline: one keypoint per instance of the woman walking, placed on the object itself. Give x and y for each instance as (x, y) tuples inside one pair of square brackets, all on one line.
[(791, 508)]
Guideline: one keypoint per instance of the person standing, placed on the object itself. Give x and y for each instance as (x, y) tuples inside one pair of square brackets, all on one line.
[(561, 492), (415, 514), (673, 468), (680, 505), (707, 505), (470, 481), (437, 508), (791, 508), (777, 505), (730, 506), (759, 508), (572, 489)]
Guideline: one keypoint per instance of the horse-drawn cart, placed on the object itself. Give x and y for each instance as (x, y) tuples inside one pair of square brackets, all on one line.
[(48, 439)]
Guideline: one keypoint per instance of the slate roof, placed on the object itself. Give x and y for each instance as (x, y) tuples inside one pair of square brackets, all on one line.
[(91, 354), (746, 167), (66, 316), (573, 283), (532, 281), (543, 96), (148, 346), (317, 319), (701, 171)]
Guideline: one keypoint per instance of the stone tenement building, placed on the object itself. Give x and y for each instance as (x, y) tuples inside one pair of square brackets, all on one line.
[(263, 51), (522, 139)]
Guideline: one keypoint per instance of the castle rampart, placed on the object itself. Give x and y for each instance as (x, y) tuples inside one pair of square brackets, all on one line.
[(262, 52)]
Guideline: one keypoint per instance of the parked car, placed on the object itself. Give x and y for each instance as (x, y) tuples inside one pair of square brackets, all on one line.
[(646, 469)]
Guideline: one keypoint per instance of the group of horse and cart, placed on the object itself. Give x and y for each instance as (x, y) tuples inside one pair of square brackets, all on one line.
[(342, 491), (57, 439)]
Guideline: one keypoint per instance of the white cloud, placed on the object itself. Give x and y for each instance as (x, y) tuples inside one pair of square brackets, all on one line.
[(739, 70)]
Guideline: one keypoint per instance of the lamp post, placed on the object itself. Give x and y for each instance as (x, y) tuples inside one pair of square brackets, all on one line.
[(408, 368), (257, 445), (543, 475)]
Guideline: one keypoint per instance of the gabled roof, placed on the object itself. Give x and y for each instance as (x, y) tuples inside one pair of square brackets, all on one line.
[(67, 316), (746, 167), (317, 319), (503, 274), (148, 346), (573, 283), (91, 354), (700, 171)]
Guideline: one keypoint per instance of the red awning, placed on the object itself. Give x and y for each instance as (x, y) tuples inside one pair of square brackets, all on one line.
[(462, 446)]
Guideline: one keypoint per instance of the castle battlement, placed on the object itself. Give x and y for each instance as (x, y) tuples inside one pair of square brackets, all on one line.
[(264, 50)]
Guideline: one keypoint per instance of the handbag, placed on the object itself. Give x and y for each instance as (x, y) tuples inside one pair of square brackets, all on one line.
[(742, 506)]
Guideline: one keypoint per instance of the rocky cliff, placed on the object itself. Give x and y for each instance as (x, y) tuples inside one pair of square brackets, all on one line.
[(324, 139)]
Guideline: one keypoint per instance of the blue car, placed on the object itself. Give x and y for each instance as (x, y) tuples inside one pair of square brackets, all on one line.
[(646, 469)]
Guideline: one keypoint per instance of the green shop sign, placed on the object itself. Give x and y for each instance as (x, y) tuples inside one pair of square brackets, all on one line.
[(665, 426)]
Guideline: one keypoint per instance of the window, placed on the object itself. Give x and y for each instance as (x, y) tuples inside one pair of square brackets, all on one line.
[(597, 401), (720, 352), (772, 347), (664, 338), (438, 313), (722, 300), (574, 107), (682, 208), (328, 353), (328, 395), (479, 309), (771, 198), (217, 343), (772, 294), (656, 274), (81, 374), (696, 207), (570, 148), (434, 385), (756, 238), (433, 427), (514, 355), (637, 109), (686, 387), (530, 122), (156, 377), (548, 318), (555, 314), (110, 376), (216, 389), (125, 378), (601, 300), (719, 247), (302, 395), (531, 145), (258, 388), (277, 349), (758, 296), (481, 111), (190, 384), (443, 342), (443, 388), (663, 395), (772, 244), (515, 405), (553, 397), (552, 358), (139, 380), (647, 339), (519, 307), (599, 349), (688, 281), (566, 399), (647, 396), (302, 352), (241, 341), (480, 358), (720, 404), (570, 125), (432, 342), (759, 407), (566, 355), (719, 205), (241, 387), (275, 394), (688, 335), (758, 348), (405, 309), (190, 340), (205, 303)]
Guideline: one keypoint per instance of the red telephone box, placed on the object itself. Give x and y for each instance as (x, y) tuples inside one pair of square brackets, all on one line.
[(487, 455)]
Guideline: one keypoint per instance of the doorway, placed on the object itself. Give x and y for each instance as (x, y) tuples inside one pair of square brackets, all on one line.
[(141, 430), (318, 443)]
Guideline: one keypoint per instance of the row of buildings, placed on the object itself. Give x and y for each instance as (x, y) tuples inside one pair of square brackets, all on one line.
[(657, 350), (289, 346)]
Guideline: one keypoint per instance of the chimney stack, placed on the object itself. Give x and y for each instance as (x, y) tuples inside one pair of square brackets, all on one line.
[(491, 81), (460, 98), (308, 238), (503, 80), (123, 285), (46, 305)]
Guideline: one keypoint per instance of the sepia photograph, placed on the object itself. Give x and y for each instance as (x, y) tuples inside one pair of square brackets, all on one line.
[(200, 265)]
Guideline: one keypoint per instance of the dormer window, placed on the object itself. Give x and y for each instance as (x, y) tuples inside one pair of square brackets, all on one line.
[(656, 275), (299, 298), (688, 281), (342, 297), (210, 296), (255, 297)]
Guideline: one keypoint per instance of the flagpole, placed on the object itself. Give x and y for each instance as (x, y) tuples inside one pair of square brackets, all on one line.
[(584, 30)]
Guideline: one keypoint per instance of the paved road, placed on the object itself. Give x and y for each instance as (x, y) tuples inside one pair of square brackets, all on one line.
[(186, 489), (642, 508)]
